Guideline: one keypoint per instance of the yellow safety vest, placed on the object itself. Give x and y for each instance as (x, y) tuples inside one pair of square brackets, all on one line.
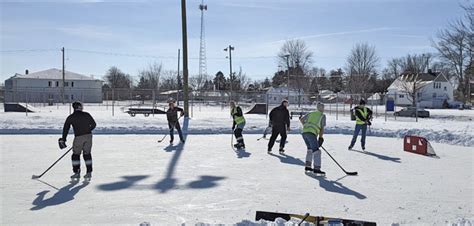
[(313, 123), (364, 113), (237, 119)]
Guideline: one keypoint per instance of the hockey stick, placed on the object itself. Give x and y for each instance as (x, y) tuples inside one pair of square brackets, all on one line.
[(348, 173), (159, 141), (304, 218), (38, 176)]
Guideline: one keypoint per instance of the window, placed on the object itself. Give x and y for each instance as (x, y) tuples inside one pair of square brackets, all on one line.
[(401, 96), (445, 89), (57, 84), (72, 97), (66, 84), (50, 83), (72, 84)]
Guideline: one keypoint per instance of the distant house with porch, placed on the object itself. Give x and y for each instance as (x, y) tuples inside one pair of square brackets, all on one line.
[(435, 89), (46, 87), (276, 94)]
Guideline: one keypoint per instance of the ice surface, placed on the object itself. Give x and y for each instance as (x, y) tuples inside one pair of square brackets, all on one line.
[(139, 180)]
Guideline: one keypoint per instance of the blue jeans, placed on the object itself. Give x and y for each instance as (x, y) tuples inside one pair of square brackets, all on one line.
[(358, 128), (313, 154)]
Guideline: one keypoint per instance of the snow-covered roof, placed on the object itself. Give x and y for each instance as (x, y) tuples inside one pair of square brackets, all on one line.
[(422, 79), (54, 74)]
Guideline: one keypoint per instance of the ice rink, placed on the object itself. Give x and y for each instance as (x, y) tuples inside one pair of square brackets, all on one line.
[(137, 179)]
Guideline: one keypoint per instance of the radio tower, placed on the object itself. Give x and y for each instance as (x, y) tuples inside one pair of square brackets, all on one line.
[(202, 49)]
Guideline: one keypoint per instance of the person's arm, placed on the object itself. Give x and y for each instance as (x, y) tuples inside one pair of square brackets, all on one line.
[(272, 114), (369, 114), (323, 124), (287, 118), (92, 123), (180, 110), (303, 119), (67, 125)]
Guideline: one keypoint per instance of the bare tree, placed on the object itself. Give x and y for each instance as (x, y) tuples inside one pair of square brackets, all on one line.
[(455, 47), (117, 79), (169, 81), (361, 64), (411, 84), (299, 55), (198, 81), (243, 80), (150, 76)]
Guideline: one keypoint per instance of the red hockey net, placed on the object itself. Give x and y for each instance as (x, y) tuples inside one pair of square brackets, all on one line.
[(418, 145)]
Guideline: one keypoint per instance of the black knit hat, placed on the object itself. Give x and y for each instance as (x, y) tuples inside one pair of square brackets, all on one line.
[(76, 105), (362, 102)]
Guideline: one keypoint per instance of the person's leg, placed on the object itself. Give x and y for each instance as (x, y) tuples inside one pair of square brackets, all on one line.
[(76, 155), (364, 132), (170, 126), (316, 154), (271, 142), (87, 152), (180, 133), (309, 149), (354, 137), (283, 137), (240, 137)]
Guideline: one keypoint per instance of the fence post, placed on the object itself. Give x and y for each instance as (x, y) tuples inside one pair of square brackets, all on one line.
[(337, 106), (26, 105), (154, 102), (113, 102)]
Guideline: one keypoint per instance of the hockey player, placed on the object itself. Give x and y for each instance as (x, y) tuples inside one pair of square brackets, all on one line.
[(172, 116), (280, 121), (313, 126), (363, 116), (238, 124), (82, 124)]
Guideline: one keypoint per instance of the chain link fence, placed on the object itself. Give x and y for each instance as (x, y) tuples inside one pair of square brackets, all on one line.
[(119, 100)]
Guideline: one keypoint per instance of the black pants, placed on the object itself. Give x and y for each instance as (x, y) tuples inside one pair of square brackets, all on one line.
[(172, 126), (278, 130)]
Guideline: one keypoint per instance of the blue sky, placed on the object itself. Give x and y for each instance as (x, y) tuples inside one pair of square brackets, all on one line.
[(257, 29)]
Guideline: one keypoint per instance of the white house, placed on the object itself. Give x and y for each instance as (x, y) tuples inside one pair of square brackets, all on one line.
[(276, 94), (434, 90), (46, 86)]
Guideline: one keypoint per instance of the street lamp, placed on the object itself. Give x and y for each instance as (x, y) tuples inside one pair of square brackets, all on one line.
[(230, 49), (287, 56)]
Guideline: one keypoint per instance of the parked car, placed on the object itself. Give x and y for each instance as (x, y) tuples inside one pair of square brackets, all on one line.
[(411, 112)]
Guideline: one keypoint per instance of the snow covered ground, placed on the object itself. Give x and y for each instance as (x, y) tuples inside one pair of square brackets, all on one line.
[(446, 126), (137, 179)]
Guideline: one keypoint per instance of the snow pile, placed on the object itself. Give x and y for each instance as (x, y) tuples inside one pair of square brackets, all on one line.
[(445, 126)]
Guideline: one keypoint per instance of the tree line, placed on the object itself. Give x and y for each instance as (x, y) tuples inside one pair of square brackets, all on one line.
[(360, 74)]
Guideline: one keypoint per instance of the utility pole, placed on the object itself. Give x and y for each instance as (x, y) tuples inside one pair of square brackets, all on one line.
[(202, 48), (185, 58), (177, 79), (230, 49), (64, 75)]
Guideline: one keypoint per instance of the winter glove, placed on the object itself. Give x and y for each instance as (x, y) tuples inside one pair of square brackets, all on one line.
[(320, 141), (62, 143), (369, 123)]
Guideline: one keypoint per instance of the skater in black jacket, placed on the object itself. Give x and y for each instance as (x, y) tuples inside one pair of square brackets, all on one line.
[(172, 116), (280, 121), (82, 124)]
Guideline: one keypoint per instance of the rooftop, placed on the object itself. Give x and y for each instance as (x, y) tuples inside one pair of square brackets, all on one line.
[(54, 74)]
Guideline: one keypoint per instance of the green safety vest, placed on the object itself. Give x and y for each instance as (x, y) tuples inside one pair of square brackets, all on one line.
[(364, 113), (237, 119), (313, 123)]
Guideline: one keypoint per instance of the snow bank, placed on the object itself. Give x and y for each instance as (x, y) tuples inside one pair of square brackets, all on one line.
[(446, 126)]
